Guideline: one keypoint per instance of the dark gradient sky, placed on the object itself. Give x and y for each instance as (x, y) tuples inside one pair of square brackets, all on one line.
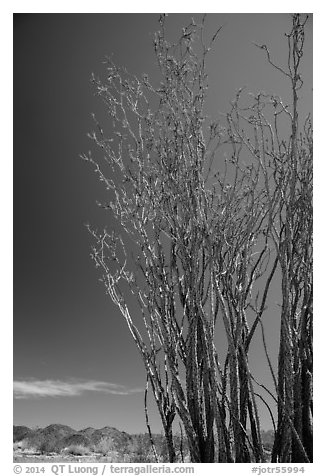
[(70, 342)]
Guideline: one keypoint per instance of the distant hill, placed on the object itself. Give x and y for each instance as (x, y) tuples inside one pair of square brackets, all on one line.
[(21, 432), (268, 439), (120, 438), (47, 439), (87, 431), (55, 437), (56, 430)]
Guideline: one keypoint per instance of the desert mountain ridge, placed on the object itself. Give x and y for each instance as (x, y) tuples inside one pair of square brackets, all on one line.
[(60, 442), (63, 435)]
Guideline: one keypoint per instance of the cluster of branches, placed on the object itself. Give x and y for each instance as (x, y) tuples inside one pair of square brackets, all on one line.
[(200, 244)]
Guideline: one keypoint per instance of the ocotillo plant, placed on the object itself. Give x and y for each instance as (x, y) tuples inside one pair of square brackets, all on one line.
[(197, 246)]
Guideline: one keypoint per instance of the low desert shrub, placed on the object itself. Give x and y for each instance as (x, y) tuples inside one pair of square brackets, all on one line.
[(139, 449), (105, 446), (77, 450), (17, 445), (49, 446), (27, 445)]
